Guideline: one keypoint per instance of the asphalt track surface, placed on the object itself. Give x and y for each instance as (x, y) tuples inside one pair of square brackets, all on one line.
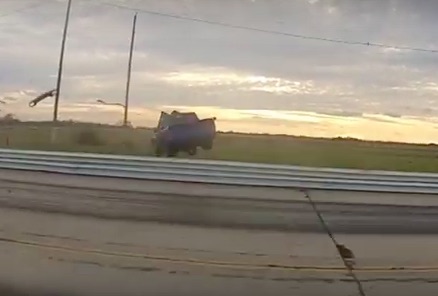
[(217, 205), (68, 235)]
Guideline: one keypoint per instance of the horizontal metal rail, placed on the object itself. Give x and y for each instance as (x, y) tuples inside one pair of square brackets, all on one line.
[(218, 172)]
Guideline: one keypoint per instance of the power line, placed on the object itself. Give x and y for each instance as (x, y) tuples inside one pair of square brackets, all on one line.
[(27, 7), (267, 31)]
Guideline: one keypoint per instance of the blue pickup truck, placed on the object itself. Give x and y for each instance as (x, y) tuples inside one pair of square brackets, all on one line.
[(183, 132)]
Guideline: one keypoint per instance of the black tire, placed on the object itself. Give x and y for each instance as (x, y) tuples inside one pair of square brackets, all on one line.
[(192, 151), (157, 147), (158, 151), (207, 146), (172, 152)]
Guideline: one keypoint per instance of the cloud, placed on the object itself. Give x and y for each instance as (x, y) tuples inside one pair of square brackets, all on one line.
[(182, 63), (214, 77)]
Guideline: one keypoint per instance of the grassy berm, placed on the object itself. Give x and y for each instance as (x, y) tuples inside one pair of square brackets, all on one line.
[(339, 153)]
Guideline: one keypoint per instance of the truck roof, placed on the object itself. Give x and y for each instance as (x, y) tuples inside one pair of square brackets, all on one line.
[(176, 117)]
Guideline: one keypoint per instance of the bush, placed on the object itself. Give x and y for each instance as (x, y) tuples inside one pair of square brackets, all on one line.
[(89, 137)]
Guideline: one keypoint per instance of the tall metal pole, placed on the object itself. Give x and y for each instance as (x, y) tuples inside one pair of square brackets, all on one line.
[(128, 81), (61, 62)]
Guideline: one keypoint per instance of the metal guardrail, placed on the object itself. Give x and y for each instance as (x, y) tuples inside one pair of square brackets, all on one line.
[(218, 172)]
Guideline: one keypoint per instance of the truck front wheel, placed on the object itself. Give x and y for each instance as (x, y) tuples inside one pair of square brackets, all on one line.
[(158, 151), (192, 151)]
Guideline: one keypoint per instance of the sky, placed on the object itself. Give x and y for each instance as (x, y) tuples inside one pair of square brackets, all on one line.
[(252, 81)]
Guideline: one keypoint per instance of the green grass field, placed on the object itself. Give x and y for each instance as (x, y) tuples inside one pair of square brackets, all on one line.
[(337, 153)]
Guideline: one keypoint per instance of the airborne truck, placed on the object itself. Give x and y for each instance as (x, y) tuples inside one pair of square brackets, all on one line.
[(179, 131)]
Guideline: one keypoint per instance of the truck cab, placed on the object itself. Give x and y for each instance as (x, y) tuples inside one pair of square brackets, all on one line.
[(179, 131)]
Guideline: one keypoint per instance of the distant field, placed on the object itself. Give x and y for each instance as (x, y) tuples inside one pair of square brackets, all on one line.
[(237, 147)]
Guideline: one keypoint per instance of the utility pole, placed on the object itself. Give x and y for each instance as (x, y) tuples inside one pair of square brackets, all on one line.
[(128, 81), (61, 62)]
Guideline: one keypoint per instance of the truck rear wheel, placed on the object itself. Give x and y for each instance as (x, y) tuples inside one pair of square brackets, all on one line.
[(207, 146)]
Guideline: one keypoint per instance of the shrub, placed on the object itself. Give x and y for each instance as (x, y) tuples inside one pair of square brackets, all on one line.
[(89, 137)]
